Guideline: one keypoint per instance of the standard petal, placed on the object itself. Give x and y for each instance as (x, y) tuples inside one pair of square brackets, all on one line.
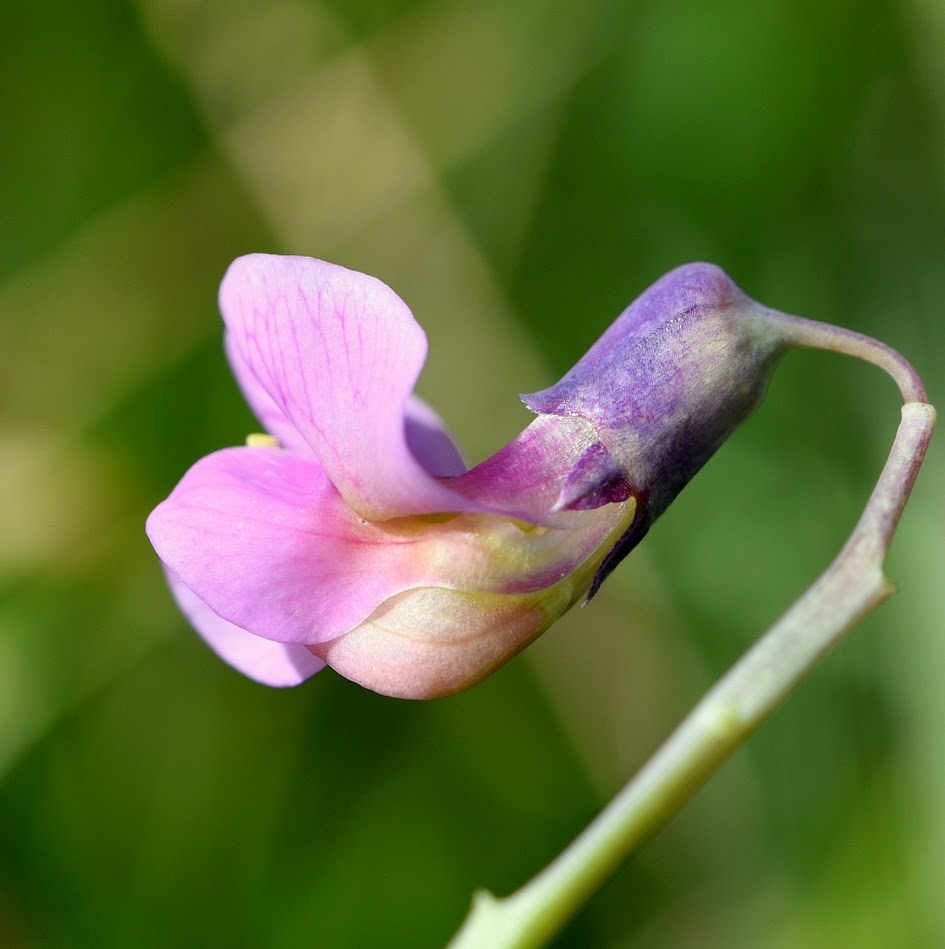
[(264, 539), (271, 417), (276, 664), (338, 354)]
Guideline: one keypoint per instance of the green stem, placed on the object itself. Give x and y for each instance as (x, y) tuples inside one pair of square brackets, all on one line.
[(851, 587), (811, 334)]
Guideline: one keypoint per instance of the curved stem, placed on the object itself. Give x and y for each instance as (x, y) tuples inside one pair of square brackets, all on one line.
[(811, 334), (851, 587)]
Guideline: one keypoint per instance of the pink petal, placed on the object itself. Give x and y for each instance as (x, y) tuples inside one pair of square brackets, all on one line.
[(338, 354), (263, 538), (272, 419), (276, 664), (427, 643), (426, 435)]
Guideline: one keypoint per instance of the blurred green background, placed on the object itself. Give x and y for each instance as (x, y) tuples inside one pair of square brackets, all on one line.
[(518, 172)]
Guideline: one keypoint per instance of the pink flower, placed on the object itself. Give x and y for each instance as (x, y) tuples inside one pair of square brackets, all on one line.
[(354, 536)]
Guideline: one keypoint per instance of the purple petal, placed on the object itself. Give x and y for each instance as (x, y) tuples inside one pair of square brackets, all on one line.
[(338, 354), (264, 539), (276, 664), (429, 442)]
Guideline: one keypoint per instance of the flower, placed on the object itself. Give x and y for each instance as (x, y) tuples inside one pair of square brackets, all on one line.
[(352, 534)]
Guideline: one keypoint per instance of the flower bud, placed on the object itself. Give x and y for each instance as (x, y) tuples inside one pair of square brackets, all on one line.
[(669, 381)]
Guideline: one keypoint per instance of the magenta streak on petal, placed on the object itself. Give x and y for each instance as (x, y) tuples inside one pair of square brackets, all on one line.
[(338, 353), (595, 480), (275, 664), (526, 477)]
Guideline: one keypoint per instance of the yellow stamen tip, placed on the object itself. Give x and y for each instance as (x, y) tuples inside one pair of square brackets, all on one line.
[(258, 440)]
